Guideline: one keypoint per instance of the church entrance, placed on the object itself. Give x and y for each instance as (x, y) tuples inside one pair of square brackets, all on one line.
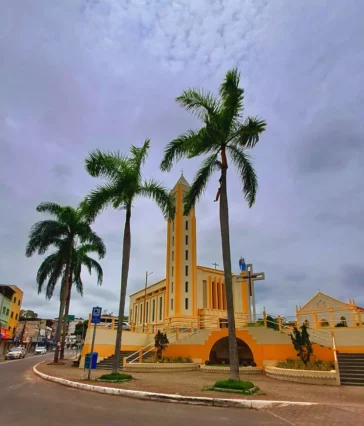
[(219, 353)]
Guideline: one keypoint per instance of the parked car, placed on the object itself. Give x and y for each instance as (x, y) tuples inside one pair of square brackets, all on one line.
[(40, 350), (16, 352), (126, 326)]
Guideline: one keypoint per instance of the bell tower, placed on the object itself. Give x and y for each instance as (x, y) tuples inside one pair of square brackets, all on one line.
[(181, 271)]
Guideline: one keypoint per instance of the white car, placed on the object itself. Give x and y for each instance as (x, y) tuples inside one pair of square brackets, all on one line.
[(40, 350), (126, 326), (15, 353)]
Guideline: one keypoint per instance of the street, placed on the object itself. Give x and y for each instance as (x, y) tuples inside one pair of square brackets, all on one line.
[(27, 399)]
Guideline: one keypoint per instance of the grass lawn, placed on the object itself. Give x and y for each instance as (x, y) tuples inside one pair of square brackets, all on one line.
[(115, 377)]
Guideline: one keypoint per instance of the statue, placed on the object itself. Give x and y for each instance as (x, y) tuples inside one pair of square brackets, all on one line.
[(242, 264)]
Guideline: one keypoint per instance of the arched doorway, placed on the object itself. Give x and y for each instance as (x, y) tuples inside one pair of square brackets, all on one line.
[(219, 353)]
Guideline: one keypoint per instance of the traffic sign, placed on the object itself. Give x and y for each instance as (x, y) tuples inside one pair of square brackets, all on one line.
[(96, 315), (70, 318)]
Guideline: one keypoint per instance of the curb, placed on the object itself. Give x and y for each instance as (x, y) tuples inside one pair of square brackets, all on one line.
[(161, 397)]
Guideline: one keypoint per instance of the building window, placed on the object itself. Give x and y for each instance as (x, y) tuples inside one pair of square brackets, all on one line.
[(153, 310), (14, 330), (7, 312), (172, 241), (19, 302), (16, 316), (186, 286), (186, 270), (173, 226), (14, 299), (4, 310), (141, 314), (146, 312), (172, 256), (160, 308), (172, 270), (172, 287), (186, 303), (204, 292), (9, 328), (186, 225), (186, 255), (12, 314), (136, 314), (186, 239), (172, 304)]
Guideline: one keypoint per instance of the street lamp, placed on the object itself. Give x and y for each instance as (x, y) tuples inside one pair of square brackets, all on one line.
[(145, 295)]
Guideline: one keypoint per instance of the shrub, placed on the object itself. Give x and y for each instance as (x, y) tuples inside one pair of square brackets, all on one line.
[(302, 344), (297, 364), (254, 364), (115, 377), (234, 384), (177, 360), (160, 343)]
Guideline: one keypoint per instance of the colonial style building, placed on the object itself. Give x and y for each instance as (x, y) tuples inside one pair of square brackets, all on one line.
[(191, 294)]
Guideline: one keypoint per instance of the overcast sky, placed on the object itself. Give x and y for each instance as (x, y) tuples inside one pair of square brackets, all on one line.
[(77, 75)]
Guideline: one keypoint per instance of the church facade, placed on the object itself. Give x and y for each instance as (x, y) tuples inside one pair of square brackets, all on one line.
[(190, 294)]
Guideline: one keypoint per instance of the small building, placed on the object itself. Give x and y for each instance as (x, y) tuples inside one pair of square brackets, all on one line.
[(324, 311)]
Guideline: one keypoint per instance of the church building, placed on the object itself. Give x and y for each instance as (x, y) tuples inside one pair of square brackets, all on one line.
[(190, 294)]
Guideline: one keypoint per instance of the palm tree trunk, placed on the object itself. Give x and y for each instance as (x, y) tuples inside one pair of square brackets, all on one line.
[(124, 283), (64, 293), (226, 257), (65, 321)]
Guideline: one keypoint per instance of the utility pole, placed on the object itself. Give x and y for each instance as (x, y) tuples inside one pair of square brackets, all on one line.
[(145, 296)]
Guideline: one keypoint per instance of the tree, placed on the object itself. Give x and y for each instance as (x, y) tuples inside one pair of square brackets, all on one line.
[(124, 183), (28, 314), (53, 269), (302, 344), (160, 343), (67, 228), (81, 329), (223, 134)]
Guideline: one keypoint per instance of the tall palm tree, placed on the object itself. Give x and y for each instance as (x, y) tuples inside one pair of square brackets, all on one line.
[(223, 134), (52, 270), (124, 183), (67, 228)]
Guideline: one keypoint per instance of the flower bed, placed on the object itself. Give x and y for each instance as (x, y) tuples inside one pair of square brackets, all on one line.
[(313, 377)]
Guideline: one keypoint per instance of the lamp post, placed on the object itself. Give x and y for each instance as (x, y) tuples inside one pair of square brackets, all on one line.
[(145, 295)]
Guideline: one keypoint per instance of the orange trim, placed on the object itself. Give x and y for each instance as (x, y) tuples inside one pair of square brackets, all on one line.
[(178, 244), (245, 297)]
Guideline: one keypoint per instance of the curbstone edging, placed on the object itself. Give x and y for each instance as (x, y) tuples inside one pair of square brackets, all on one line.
[(161, 397)]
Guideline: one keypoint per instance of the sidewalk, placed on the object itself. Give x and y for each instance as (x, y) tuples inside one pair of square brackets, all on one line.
[(192, 383)]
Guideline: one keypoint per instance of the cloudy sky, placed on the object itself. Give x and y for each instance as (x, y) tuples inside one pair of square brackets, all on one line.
[(77, 75)]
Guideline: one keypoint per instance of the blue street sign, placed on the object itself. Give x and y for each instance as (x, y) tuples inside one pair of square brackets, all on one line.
[(96, 315)]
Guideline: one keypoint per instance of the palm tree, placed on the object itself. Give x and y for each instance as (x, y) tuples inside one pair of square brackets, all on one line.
[(52, 270), (123, 185), (223, 134), (67, 228)]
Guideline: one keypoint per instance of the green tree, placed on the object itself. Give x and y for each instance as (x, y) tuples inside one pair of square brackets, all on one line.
[(53, 269), (160, 343), (124, 183), (224, 134), (67, 228), (81, 329), (302, 344)]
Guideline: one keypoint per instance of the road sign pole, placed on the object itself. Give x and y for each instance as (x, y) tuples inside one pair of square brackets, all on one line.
[(92, 351)]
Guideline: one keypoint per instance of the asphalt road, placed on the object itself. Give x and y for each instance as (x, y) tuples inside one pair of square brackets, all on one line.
[(26, 399)]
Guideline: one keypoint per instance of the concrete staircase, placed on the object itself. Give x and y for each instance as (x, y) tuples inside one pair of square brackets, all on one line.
[(107, 363), (351, 369)]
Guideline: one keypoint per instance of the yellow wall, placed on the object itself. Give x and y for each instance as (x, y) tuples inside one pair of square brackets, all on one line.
[(16, 303)]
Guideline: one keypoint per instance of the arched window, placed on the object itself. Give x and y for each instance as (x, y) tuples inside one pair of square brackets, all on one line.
[(324, 322), (343, 320), (306, 322)]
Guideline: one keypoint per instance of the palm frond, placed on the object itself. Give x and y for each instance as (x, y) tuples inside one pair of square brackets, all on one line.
[(139, 156), (89, 236), (107, 165), (43, 234), (231, 94), (177, 149), (45, 270), (200, 181), (99, 198), (246, 172), (201, 103), (92, 264), (51, 208), (246, 135), (157, 192)]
